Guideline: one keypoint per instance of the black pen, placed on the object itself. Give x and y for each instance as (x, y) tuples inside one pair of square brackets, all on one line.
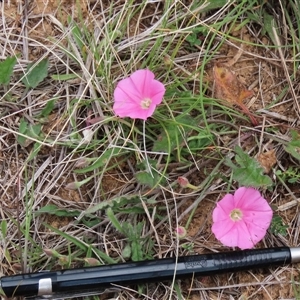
[(92, 279)]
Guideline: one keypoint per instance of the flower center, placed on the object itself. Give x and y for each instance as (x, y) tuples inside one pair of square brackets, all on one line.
[(145, 103), (236, 215)]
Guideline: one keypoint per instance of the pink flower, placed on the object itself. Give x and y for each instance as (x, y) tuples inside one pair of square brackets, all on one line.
[(241, 220), (138, 95)]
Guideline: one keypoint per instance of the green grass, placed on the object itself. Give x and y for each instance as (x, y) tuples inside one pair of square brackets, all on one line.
[(116, 198)]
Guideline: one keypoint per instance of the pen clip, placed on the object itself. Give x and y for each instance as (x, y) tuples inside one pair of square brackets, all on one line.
[(62, 296)]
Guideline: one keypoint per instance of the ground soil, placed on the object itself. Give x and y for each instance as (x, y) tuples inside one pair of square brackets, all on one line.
[(263, 75)]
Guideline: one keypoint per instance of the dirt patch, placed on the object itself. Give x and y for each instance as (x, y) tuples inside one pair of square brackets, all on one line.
[(45, 22)]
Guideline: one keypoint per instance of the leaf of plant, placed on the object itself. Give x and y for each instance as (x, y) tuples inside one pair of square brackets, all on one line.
[(126, 252), (63, 77), (3, 227), (34, 130), (110, 214), (77, 35), (115, 203), (137, 243), (30, 130), (293, 147), (228, 87), (88, 220), (145, 177), (174, 133), (269, 24), (278, 227), (100, 162), (6, 69), (210, 5), (35, 73), (249, 172), (133, 233), (81, 245), (36, 149), (137, 253), (55, 210), (48, 108), (22, 129)]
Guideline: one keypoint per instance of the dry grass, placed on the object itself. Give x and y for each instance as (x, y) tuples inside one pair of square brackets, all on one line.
[(99, 43)]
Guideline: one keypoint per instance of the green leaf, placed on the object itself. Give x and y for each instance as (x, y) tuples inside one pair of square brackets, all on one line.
[(4, 228), (36, 149), (34, 130), (81, 245), (249, 172), (293, 147), (268, 25), (145, 177), (48, 108), (54, 210), (193, 39), (30, 130), (278, 227), (115, 203), (36, 73), (6, 69), (77, 35), (111, 216), (174, 133), (210, 5), (290, 175), (134, 233), (64, 77), (51, 209), (22, 129), (100, 162), (126, 252), (137, 251)]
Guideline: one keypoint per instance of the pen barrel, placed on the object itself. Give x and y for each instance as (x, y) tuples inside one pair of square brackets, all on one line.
[(102, 277)]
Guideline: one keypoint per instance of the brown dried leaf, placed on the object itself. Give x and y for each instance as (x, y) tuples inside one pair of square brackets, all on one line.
[(267, 160), (229, 88)]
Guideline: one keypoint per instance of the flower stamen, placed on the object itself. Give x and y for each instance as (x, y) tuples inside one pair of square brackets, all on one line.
[(145, 103), (236, 215)]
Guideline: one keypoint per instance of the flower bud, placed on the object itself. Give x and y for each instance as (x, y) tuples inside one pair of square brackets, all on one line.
[(183, 182), (73, 185), (180, 232), (92, 261), (82, 162), (51, 253)]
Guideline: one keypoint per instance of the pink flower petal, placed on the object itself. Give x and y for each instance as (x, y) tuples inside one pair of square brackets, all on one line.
[(157, 92), (251, 228), (222, 228), (126, 92), (239, 235), (142, 80), (255, 232), (246, 197), (132, 92), (223, 209), (244, 236)]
